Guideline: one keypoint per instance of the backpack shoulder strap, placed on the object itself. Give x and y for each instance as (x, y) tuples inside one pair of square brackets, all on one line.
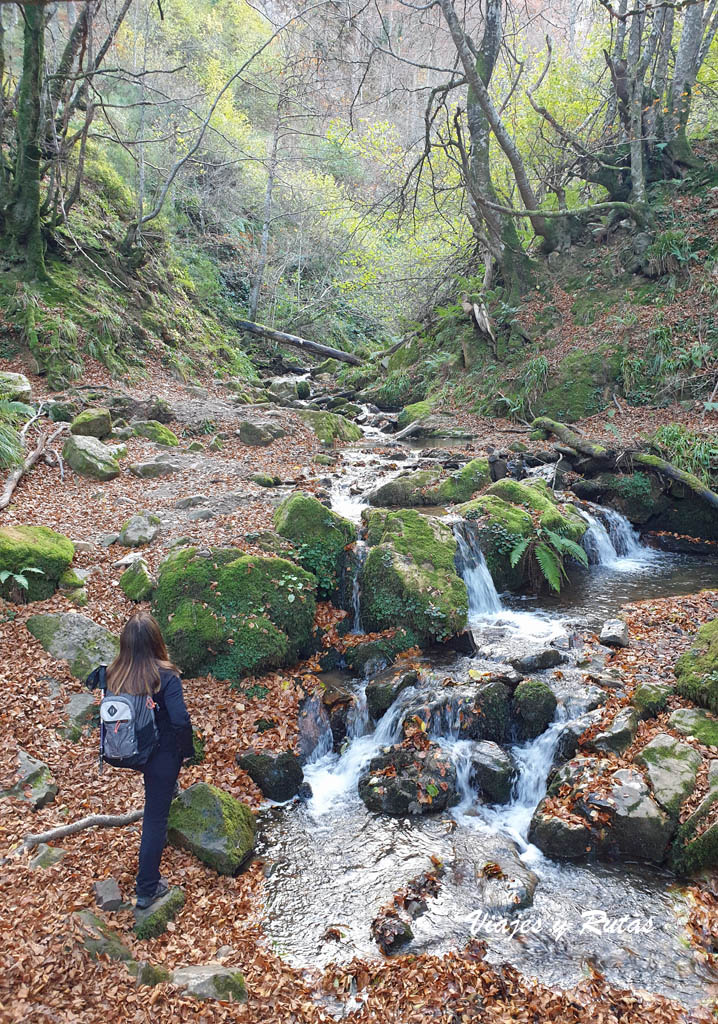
[(102, 679)]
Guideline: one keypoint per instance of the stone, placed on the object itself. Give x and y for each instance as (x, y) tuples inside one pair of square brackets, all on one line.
[(382, 692), (46, 856), (192, 501), (549, 657), (258, 435), (234, 614), (390, 930), (139, 530), (431, 487), (34, 781), (671, 767), (92, 423), (81, 710), (696, 847), (107, 894), (697, 669), (409, 579), (155, 431), (153, 469), (211, 824), (278, 775), (533, 707), (136, 582), (201, 515), (649, 699), (559, 838), (698, 724), (62, 412), (153, 920), (330, 426), (320, 537), (423, 782), (265, 480), (614, 633), (83, 547), (15, 387), (481, 712), (211, 981), (640, 830), (492, 772), (74, 638), (33, 547), (619, 735), (89, 457), (99, 939), (146, 973), (313, 727)]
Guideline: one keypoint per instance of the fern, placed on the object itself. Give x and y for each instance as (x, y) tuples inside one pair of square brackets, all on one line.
[(551, 566), (519, 551), (11, 414), (566, 546)]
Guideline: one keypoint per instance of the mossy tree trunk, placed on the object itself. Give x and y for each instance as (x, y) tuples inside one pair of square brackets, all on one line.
[(22, 217)]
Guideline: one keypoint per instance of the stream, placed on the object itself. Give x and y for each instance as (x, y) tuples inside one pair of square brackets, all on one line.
[(330, 863)]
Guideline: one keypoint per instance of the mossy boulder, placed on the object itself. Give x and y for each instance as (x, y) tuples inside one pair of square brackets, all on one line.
[(415, 411), (697, 669), (153, 920), (649, 699), (233, 614), (671, 768), (155, 431), (696, 846), (89, 457), (92, 423), (320, 538), (136, 582), (139, 530), (98, 939), (15, 387), (698, 724), (278, 775), (410, 579), (400, 783), (581, 384), (74, 638), (382, 692), (35, 547), (219, 830), (533, 707), (330, 426), (211, 981), (505, 515), (34, 782), (258, 435), (428, 487)]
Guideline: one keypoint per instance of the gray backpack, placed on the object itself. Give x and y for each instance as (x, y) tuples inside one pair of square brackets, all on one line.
[(128, 730)]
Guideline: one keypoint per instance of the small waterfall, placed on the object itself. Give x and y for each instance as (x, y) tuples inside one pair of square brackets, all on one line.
[(360, 552), (358, 720), (623, 537), (596, 541), (471, 566), (609, 536)]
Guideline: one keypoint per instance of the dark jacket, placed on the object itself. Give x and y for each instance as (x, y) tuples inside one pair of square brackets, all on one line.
[(171, 715)]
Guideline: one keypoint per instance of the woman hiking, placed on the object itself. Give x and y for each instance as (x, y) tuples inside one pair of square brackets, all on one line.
[(143, 668)]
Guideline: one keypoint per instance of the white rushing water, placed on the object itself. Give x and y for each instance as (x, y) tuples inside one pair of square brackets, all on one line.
[(610, 540), (360, 552), (472, 567)]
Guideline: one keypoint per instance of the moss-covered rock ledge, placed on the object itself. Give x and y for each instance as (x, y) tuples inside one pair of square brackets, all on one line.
[(219, 830), (697, 669), (430, 487), (320, 537), (233, 614), (38, 548), (410, 579)]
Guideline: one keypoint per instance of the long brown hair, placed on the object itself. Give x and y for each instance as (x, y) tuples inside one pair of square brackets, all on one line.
[(136, 669)]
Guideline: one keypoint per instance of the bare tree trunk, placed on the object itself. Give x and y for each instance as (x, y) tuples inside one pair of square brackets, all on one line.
[(635, 110), (264, 243)]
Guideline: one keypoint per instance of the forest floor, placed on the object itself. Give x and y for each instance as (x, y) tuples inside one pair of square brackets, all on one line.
[(45, 976)]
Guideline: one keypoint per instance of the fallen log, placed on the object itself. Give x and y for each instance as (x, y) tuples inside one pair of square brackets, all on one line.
[(17, 474), (92, 821), (606, 457), (292, 339)]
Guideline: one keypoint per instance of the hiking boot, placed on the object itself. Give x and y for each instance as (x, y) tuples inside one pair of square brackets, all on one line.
[(143, 902)]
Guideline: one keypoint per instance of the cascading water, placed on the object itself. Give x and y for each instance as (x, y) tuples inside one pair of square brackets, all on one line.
[(596, 541), (471, 566), (360, 552), (623, 537), (609, 536)]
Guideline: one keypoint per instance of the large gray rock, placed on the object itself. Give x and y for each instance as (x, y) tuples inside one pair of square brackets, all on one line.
[(154, 468), (383, 691), (107, 894), (620, 733), (81, 710), (258, 435), (99, 939), (211, 981), (533, 706), (672, 768), (614, 633), (211, 824), (403, 781), (139, 530), (89, 457), (649, 699), (74, 638), (560, 838), (549, 657), (15, 387), (492, 772), (640, 830), (34, 781), (92, 423), (46, 856), (694, 722)]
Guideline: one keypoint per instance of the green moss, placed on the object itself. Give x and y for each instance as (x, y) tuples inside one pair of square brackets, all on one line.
[(231, 987), (149, 974), (155, 431), (36, 547), (650, 699), (692, 852), (154, 921), (136, 582), (330, 426), (265, 480), (70, 580), (410, 579), (92, 423), (320, 537), (462, 484), (384, 651), (219, 830), (415, 411), (534, 705), (697, 669), (578, 388), (234, 614)]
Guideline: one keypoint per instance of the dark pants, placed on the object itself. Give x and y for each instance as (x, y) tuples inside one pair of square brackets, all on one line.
[(160, 774)]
